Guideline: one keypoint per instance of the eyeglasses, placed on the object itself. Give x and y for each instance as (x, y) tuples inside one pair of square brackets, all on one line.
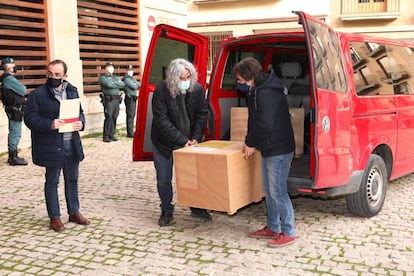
[(54, 75)]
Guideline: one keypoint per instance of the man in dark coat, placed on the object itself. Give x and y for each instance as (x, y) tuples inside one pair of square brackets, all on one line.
[(179, 117), (53, 149), (269, 130)]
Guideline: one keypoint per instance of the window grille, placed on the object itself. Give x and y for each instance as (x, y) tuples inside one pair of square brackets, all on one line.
[(108, 31), (23, 37)]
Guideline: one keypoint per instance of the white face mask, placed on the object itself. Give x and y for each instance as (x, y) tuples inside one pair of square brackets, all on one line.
[(110, 70), (130, 73), (184, 85)]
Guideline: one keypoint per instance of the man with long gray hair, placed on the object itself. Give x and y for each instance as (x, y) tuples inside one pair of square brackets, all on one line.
[(179, 117)]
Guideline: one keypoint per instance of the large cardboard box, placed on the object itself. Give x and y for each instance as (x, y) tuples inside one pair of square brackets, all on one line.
[(214, 175), (238, 125)]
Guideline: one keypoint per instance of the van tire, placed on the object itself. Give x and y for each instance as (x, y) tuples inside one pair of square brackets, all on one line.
[(369, 199)]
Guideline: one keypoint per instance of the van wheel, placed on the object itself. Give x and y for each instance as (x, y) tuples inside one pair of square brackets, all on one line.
[(369, 199)]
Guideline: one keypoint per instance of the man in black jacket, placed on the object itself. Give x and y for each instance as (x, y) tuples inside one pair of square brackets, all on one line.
[(179, 117), (53, 149), (269, 130)]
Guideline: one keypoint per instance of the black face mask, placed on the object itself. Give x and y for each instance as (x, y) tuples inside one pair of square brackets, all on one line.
[(14, 70), (53, 82)]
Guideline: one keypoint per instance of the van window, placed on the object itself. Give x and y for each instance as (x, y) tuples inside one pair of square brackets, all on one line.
[(229, 81), (382, 70), (165, 51), (328, 62), (401, 62)]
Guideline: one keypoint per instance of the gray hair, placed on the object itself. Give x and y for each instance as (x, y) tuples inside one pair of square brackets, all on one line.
[(173, 73)]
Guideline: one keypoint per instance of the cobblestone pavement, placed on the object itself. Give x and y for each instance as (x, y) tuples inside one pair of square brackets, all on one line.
[(120, 198)]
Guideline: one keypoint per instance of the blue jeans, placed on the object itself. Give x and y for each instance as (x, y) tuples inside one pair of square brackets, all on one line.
[(70, 174), (164, 172), (280, 215)]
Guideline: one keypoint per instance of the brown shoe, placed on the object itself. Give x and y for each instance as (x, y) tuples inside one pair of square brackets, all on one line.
[(57, 225), (79, 219)]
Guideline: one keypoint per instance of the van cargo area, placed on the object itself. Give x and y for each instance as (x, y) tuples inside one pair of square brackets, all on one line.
[(285, 54)]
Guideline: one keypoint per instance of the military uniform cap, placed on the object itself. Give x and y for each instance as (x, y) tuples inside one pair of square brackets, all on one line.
[(7, 60), (130, 67), (109, 63)]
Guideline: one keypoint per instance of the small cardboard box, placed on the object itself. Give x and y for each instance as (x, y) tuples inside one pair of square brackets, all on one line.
[(238, 125), (214, 175)]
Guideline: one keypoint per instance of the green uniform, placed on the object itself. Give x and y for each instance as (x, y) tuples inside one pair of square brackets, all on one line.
[(110, 85), (130, 89), (14, 101)]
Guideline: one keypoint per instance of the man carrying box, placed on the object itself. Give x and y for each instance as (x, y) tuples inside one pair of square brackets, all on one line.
[(179, 118)]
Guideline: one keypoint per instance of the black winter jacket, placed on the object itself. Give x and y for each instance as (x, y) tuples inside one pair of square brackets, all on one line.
[(47, 144), (165, 133), (269, 127)]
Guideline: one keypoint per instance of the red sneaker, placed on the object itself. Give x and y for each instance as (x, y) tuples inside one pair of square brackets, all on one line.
[(264, 233), (281, 240)]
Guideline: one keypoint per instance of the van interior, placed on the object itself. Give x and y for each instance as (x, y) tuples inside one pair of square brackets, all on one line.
[(286, 54)]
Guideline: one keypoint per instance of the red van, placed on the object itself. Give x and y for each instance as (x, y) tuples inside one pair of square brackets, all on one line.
[(355, 91)]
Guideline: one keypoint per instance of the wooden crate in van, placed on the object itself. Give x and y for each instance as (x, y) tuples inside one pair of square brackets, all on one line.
[(238, 125), (214, 175)]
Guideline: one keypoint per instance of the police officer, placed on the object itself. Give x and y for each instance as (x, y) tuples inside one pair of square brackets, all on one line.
[(14, 102), (131, 95), (110, 85)]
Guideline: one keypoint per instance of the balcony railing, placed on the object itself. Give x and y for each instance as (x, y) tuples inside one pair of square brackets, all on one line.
[(369, 9)]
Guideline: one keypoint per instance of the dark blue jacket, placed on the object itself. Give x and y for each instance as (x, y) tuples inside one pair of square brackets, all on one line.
[(269, 128), (47, 144)]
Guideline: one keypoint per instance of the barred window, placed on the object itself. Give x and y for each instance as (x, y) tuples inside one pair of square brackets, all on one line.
[(108, 31), (215, 39), (23, 37)]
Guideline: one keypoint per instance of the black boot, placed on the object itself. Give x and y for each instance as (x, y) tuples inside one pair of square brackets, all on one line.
[(14, 160)]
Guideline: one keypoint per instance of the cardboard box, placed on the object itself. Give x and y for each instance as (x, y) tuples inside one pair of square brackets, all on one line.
[(214, 175), (297, 118), (238, 125)]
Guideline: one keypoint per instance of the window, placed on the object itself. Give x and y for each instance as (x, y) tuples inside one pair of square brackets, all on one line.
[(385, 70), (23, 37), (214, 39), (108, 31), (327, 56), (367, 1), (400, 68), (167, 50), (229, 81)]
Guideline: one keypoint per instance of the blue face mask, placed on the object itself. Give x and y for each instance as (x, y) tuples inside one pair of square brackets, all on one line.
[(184, 85), (243, 87)]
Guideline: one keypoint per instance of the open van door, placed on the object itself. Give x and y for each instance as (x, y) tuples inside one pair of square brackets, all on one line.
[(167, 43), (330, 142)]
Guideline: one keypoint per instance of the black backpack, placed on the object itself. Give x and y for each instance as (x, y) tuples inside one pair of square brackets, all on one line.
[(2, 92), (8, 97)]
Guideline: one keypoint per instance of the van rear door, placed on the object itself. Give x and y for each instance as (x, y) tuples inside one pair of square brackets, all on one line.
[(167, 43), (331, 159)]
